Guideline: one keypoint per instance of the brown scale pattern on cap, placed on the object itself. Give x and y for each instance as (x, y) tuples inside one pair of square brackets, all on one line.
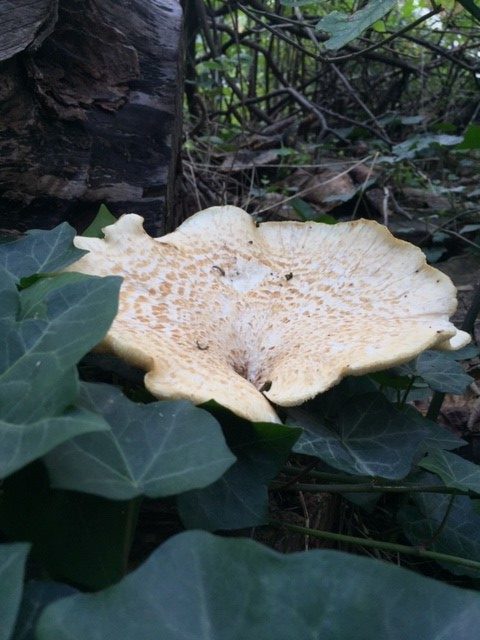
[(244, 314)]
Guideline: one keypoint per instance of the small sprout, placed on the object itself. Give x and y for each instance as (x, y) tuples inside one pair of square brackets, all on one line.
[(289, 276), (201, 347)]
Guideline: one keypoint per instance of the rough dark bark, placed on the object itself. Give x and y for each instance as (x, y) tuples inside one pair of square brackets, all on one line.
[(89, 110)]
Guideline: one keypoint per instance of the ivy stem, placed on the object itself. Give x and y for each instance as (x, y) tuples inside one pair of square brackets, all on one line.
[(131, 519), (321, 475), (404, 399), (372, 488), (377, 544)]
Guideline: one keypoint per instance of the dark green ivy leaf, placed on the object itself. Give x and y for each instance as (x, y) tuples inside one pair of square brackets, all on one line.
[(364, 434), (443, 523), (156, 450), (240, 497), (103, 219), (344, 28), (77, 538), (442, 373), (12, 563), (453, 470), (45, 330), (40, 251), (202, 587), (36, 596)]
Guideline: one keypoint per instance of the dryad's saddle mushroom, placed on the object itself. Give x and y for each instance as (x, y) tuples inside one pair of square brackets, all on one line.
[(252, 314)]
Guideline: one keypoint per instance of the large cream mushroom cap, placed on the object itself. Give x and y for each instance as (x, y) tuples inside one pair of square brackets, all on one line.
[(249, 315)]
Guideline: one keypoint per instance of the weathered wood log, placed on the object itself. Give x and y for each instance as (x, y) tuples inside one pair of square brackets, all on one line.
[(90, 110)]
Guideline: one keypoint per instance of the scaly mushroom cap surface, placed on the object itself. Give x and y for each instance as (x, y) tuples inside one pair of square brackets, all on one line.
[(250, 314)]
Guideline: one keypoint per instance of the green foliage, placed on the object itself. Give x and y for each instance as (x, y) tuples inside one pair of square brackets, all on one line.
[(101, 220), (46, 329), (306, 212), (155, 450), (78, 538), (344, 28), (442, 373), (197, 586), (12, 563), (240, 497), (36, 596), (454, 471), (415, 145), (471, 7), (440, 370), (363, 434), (40, 252), (471, 139), (447, 524)]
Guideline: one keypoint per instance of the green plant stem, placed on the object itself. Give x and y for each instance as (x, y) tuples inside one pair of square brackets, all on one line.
[(372, 488), (435, 405), (131, 519), (321, 475), (373, 484), (377, 544), (404, 399), (442, 524)]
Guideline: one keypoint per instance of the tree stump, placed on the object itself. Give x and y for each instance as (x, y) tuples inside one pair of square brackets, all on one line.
[(90, 110)]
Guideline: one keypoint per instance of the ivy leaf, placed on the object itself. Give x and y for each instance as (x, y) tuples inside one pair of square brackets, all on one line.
[(200, 586), (346, 27), (240, 497), (22, 443), (465, 353), (158, 449), (453, 470), (9, 300), (76, 537), (41, 350), (45, 330), (412, 146), (442, 373), (103, 219), (40, 251), (36, 596), (365, 436), (12, 564), (447, 524)]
